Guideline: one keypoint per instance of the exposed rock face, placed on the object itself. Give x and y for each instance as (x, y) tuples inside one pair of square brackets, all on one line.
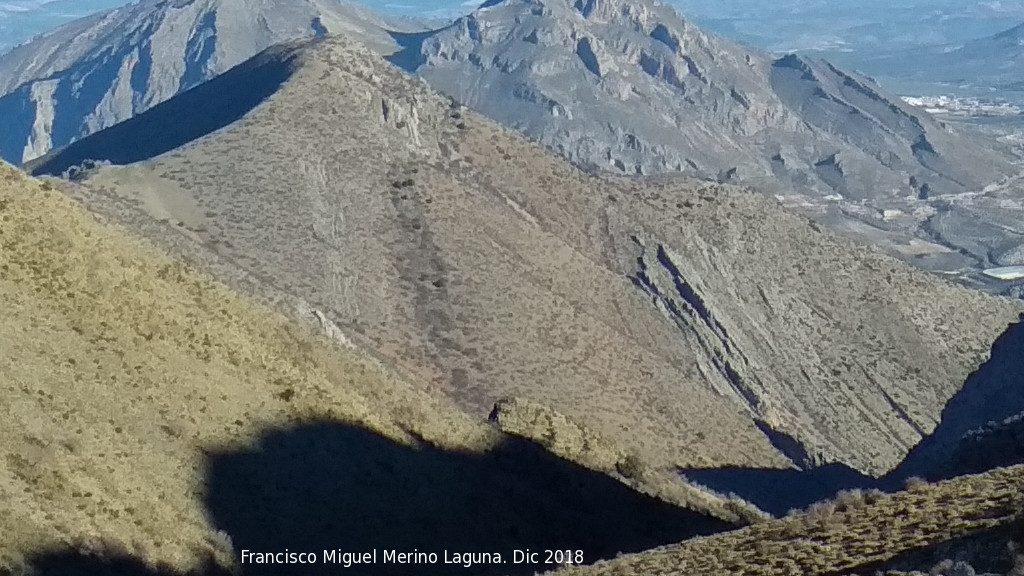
[(98, 71), (695, 322), (627, 86), (632, 87)]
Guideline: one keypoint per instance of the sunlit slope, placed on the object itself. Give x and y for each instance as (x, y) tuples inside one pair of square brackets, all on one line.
[(345, 188), (118, 365), (698, 323), (145, 407), (857, 534)]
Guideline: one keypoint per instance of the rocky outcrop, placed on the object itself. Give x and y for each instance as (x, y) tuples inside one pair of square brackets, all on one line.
[(104, 69)]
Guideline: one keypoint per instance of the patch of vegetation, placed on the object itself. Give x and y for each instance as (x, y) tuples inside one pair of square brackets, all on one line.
[(858, 530), (152, 407)]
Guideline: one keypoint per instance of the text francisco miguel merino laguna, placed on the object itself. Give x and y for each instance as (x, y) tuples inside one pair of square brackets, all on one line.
[(466, 559)]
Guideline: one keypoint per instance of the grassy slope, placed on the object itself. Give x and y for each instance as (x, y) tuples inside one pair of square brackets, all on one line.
[(136, 392), (844, 536), (118, 364)]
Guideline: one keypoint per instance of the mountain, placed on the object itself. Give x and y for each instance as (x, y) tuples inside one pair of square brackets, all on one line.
[(623, 86), (635, 88), (628, 86), (699, 324), (105, 68), (152, 413), (518, 350), (235, 427), (990, 66)]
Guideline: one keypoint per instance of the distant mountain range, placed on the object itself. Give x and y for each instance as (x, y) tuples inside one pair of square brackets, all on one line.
[(635, 88), (103, 69), (856, 29), (628, 87), (991, 66)]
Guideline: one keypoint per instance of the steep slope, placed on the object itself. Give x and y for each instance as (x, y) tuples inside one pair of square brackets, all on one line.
[(997, 443), (699, 324), (635, 88), (625, 86), (979, 424), (972, 518), (149, 411), (100, 70)]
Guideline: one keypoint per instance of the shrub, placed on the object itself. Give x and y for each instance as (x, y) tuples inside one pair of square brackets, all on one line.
[(630, 466), (915, 484), (849, 500), (941, 568), (744, 511), (820, 512), (952, 568)]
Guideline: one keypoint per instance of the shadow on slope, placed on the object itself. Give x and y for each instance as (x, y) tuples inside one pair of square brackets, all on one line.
[(329, 486), (993, 393), (180, 120), (332, 486), (980, 429), (79, 563), (409, 56), (778, 491)]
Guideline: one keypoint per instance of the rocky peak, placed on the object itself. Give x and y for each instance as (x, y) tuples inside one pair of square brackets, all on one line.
[(101, 70), (633, 87), (636, 14)]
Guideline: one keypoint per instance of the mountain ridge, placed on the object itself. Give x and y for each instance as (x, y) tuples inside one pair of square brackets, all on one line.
[(652, 93), (987, 67), (618, 88), (105, 68), (454, 211), (549, 338)]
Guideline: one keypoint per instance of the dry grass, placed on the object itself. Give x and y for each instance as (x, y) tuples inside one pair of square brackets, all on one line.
[(120, 366), (128, 379), (842, 536)]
